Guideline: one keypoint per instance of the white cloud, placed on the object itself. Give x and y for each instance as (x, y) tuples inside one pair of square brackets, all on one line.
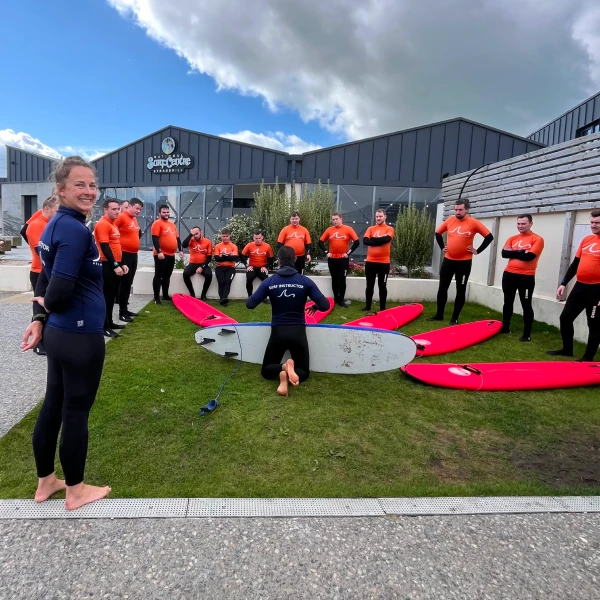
[(363, 68), (22, 140), (276, 140), (88, 154)]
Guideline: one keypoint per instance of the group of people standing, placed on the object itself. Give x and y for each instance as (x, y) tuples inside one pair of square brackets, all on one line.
[(77, 277)]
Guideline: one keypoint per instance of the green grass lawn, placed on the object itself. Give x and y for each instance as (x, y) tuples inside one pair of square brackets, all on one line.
[(335, 436)]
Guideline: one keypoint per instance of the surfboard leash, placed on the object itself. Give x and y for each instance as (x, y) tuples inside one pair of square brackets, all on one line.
[(214, 402)]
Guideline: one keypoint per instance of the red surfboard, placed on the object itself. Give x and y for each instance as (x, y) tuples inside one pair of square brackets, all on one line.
[(320, 314), (200, 312), (508, 376), (391, 318), (457, 337)]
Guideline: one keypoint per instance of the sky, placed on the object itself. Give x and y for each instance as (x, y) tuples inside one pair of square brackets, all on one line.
[(89, 77)]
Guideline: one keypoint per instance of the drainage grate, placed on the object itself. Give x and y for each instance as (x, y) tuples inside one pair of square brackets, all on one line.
[(109, 508), (284, 507), (580, 503), (470, 506)]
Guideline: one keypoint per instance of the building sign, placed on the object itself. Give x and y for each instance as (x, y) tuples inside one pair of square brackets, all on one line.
[(170, 161)]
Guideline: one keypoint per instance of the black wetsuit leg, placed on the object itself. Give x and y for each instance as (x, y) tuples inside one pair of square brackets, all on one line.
[(190, 271), (300, 263), (225, 276), (33, 277), (166, 277), (509, 288), (338, 269), (159, 271), (582, 297), (111, 282), (75, 364), (380, 272), (251, 276), (526, 287), (130, 260), (383, 270), (283, 338)]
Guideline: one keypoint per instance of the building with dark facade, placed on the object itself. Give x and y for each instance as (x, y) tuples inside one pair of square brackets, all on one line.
[(582, 120), (207, 179)]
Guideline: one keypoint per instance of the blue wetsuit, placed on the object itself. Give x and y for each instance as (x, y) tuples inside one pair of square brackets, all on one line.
[(288, 291), (71, 285)]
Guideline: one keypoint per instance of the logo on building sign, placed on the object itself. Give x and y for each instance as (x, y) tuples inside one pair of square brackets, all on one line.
[(170, 161)]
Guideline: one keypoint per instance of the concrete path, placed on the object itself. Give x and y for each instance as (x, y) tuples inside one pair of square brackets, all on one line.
[(23, 375), (509, 556)]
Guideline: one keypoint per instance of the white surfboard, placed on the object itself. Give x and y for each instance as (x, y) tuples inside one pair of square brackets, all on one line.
[(333, 348)]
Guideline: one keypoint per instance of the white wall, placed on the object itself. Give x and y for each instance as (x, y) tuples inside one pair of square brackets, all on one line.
[(12, 215), (479, 270)]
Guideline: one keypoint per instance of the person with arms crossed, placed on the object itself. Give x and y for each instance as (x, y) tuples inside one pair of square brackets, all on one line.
[(70, 302), (585, 294), (200, 255), (298, 237), (339, 237), (260, 256), (108, 240), (523, 251), (131, 233), (166, 242), (378, 239), (288, 291), (458, 256), (226, 255)]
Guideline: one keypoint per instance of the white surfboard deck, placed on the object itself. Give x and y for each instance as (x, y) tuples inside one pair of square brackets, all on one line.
[(333, 348)]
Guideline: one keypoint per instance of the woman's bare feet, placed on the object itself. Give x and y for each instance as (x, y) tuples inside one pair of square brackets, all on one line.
[(82, 494), (47, 486), (293, 377), (282, 390)]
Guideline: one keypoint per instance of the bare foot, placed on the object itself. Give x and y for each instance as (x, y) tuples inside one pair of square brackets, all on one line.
[(47, 486), (289, 367), (282, 390), (81, 494)]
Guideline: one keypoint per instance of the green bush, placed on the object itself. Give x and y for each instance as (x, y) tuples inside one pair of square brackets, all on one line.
[(272, 210), (413, 241), (242, 228), (315, 210)]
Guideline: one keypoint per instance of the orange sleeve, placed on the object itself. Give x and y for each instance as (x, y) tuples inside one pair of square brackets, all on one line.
[(537, 246), (325, 235), (270, 251), (210, 248), (218, 250), (281, 238), (391, 232), (246, 250), (481, 228), (443, 227), (119, 222), (102, 233), (307, 240), (352, 234), (33, 217), (578, 253), (368, 232), (508, 243)]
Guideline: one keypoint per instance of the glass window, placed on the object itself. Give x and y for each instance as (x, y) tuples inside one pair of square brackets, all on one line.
[(356, 206), (219, 208), (191, 209), (589, 129), (392, 199)]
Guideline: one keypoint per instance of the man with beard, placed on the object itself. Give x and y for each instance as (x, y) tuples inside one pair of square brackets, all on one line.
[(166, 242), (585, 294), (378, 239), (200, 254), (458, 256)]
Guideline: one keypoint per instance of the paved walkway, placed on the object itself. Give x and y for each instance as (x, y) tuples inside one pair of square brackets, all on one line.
[(510, 556), (23, 375)]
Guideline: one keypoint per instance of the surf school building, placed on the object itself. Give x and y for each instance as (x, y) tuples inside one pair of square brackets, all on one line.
[(206, 179)]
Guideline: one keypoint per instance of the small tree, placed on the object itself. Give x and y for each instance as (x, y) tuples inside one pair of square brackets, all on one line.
[(272, 210), (315, 210), (242, 228), (413, 240)]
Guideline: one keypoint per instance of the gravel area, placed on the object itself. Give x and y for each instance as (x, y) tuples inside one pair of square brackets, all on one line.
[(508, 556), (23, 375)]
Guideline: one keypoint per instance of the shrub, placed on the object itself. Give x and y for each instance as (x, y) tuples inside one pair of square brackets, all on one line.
[(272, 210), (315, 210), (242, 228), (413, 241)]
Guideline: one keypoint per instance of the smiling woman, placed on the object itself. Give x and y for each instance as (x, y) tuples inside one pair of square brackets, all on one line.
[(69, 309)]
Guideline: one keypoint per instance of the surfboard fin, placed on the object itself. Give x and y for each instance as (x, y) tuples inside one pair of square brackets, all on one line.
[(226, 331), (230, 354), (206, 341), (470, 368)]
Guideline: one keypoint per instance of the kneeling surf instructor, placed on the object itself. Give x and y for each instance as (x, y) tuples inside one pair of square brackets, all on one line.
[(288, 292)]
